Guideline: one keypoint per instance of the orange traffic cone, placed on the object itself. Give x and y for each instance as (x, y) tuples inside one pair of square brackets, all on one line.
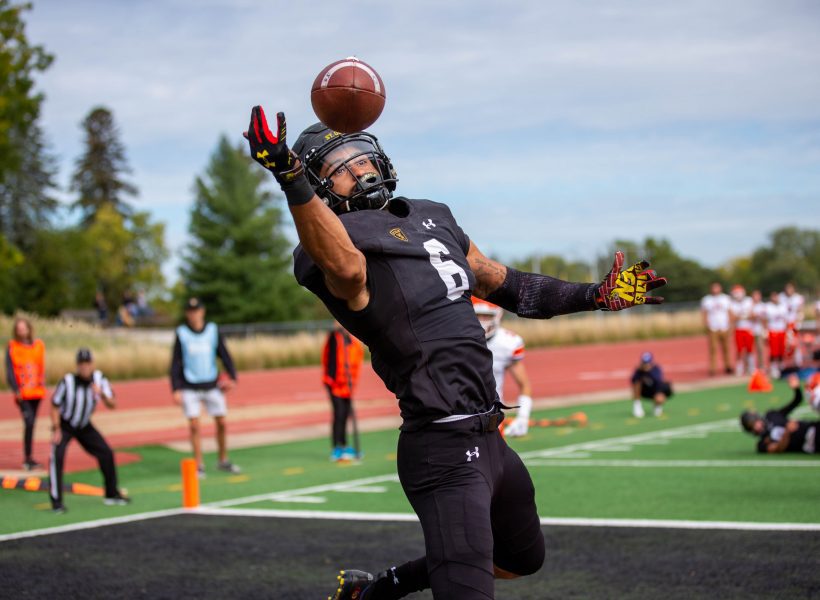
[(759, 382)]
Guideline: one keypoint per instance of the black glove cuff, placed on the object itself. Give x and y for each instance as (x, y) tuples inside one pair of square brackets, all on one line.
[(298, 191)]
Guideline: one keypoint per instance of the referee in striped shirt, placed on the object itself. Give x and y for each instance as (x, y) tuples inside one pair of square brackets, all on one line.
[(74, 400)]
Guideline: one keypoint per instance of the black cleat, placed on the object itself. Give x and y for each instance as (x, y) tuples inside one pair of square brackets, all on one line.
[(352, 585), (119, 500), (59, 509)]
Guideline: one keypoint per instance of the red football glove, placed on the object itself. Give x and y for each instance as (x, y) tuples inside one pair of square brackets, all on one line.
[(270, 150), (623, 289)]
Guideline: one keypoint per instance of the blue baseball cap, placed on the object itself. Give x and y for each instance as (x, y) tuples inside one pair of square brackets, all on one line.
[(646, 357)]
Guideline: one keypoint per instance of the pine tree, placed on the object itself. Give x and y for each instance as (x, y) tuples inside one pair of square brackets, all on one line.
[(26, 202), (238, 261), (19, 105), (26, 169), (98, 175)]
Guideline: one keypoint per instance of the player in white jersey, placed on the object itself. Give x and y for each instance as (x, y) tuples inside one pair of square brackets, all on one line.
[(508, 353), (777, 322), (741, 314), (715, 310), (794, 304), (759, 326)]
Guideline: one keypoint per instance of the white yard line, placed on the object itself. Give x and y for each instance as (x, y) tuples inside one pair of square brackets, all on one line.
[(623, 443), (92, 524), (290, 495)]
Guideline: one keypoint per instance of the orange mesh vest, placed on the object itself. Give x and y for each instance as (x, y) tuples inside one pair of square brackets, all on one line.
[(29, 368), (335, 365)]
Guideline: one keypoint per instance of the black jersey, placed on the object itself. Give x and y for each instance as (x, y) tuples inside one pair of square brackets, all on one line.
[(425, 341)]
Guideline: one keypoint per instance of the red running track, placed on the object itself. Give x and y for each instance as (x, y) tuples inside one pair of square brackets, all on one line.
[(279, 400)]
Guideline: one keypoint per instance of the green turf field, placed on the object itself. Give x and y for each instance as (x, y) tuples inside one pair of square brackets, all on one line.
[(691, 464)]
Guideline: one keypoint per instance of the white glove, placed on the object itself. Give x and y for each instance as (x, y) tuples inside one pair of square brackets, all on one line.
[(521, 424)]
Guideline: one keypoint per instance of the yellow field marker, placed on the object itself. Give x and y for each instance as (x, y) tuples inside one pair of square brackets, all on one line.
[(293, 471)]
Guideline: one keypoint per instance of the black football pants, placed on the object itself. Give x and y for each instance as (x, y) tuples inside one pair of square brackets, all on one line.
[(341, 413), (476, 503), (93, 443), (28, 408)]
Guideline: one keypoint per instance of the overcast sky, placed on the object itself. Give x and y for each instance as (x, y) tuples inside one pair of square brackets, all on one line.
[(547, 126)]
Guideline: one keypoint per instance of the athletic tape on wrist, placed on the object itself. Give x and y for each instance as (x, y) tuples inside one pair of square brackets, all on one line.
[(299, 191)]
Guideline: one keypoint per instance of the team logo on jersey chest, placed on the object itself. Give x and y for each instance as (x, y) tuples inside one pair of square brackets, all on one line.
[(397, 233)]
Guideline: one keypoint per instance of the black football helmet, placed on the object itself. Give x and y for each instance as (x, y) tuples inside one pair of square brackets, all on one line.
[(748, 418), (324, 151)]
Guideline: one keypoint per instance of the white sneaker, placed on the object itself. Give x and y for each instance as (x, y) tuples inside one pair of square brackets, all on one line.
[(658, 411), (637, 410)]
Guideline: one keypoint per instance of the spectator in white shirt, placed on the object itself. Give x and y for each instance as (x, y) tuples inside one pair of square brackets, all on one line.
[(777, 321), (715, 310), (759, 327)]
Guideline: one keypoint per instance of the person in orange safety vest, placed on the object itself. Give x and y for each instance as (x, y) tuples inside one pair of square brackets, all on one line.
[(341, 362), (25, 374)]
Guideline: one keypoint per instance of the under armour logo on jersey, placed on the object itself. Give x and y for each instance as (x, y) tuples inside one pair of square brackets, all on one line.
[(470, 455), (428, 223)]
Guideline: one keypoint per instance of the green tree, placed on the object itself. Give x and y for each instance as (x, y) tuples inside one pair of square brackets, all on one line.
[(56, 272), (98, 174), (127, 253), (26, 202), (238, 260), (793, 254), (555, 266), (19, 104), (10, 259)]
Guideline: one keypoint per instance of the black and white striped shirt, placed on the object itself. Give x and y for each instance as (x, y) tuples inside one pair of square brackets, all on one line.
[(76, 399)]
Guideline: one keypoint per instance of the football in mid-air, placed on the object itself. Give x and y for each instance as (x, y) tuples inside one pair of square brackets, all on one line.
[(348, 95)]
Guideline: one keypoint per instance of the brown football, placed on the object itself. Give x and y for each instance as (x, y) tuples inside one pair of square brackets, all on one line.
[(348, 95)]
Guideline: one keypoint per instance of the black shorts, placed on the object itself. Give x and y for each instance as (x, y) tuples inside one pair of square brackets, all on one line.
[(476, 503), (649, 391)]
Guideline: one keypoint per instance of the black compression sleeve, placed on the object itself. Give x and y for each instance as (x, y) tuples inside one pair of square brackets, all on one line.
[(796, 400), (541, 297)]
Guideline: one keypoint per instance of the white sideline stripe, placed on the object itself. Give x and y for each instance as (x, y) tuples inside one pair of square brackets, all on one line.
[(92, 524), (576, 462), (561, 522), (287, 495), (629, 440)]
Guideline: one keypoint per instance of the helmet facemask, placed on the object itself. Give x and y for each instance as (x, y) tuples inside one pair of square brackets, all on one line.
[(361, 158)]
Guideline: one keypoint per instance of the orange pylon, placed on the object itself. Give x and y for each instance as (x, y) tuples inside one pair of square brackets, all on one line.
[(759, 382)]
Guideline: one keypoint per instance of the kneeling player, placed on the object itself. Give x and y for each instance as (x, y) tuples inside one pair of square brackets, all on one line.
[(648, 382)]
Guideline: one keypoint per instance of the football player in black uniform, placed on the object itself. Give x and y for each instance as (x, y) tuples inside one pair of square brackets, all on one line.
[(777, 433), (398, 274)]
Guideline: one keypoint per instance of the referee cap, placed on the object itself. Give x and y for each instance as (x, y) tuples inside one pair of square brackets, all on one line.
[(646, 357), (193, 303), (84, 355)]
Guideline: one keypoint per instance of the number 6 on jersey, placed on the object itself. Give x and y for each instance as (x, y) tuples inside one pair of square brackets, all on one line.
[(447, 269)]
